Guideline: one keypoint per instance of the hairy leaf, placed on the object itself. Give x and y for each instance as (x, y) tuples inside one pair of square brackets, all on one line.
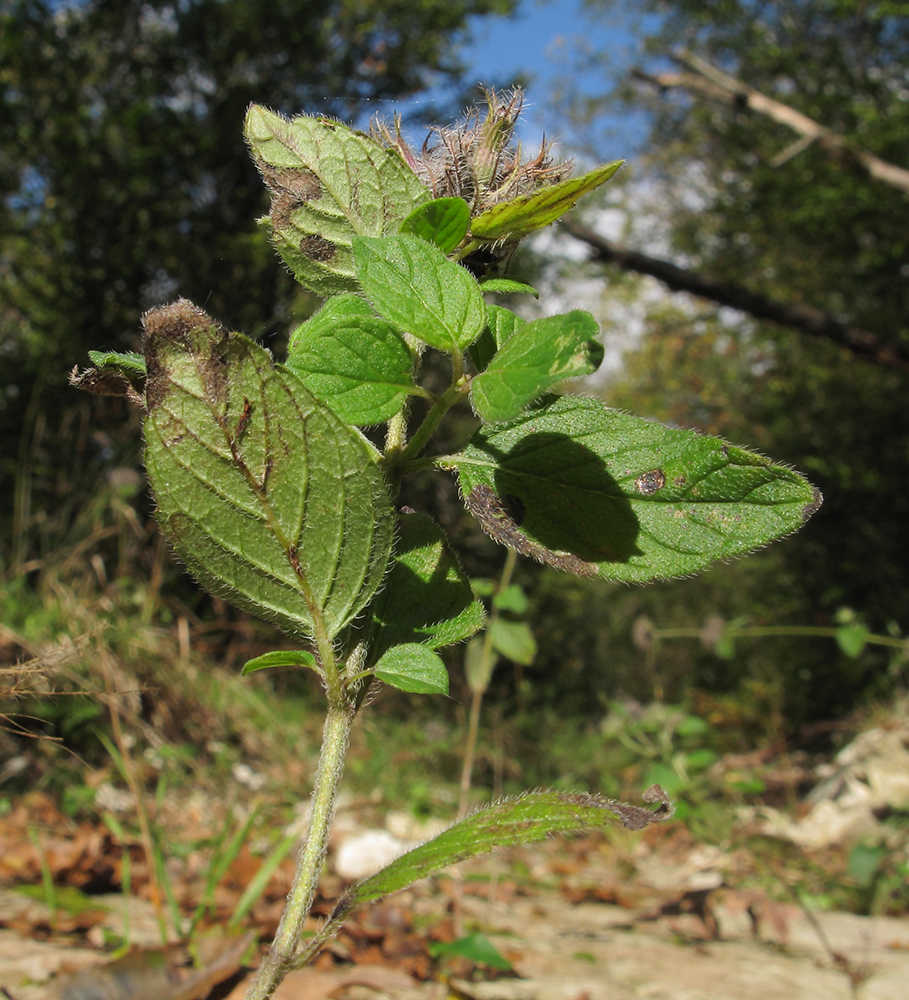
[(328, 184), (416, 287), (524, 820), (598, 492), (523, 215), (443, 221), (268, 497), (532, 360), (114, 374), (280, 658), (507, 286), (426, 598), (413, 667), (356, 362), (501, 324)]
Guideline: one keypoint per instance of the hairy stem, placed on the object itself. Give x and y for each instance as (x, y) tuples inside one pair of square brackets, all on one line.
[(280, 958)]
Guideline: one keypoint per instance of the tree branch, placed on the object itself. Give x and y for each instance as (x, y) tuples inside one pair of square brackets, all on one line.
[(806, 319), (713, 83)]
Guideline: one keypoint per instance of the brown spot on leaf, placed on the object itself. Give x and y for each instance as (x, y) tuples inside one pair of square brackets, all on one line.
[(173, 325), (648, 483), (317, 248), (299, 183)]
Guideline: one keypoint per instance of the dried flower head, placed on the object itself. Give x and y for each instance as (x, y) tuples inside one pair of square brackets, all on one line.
[(476, 159)]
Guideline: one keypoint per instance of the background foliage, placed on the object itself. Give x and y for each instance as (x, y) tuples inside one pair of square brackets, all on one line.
[(124, 183), (713, 193)]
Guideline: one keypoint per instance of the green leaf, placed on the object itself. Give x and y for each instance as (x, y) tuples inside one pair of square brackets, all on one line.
[(598, 492), (114, 374), (501, 324), (479, 665), (524, 820), (416, 287), (514, 640), (852, 639), (532, 360), (426, 597), (413, 667), (268, 497), (512, 598), (864, 862), (353, 360), (328, 184), (280, 658), (516, 218), (443, 221), (476, 948), (507, 286), (129, 362)]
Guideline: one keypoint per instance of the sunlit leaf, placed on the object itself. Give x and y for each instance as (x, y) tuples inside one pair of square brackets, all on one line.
[(507, 286), (356, 362), (413, 667), (328, 184), (475, 948), (524, 820), (598, 492), (523, 215), (417, 288), (534, 358), (272, 501), (443, 221)]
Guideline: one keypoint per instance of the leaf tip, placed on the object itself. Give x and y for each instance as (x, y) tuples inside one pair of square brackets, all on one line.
[(817, 499)]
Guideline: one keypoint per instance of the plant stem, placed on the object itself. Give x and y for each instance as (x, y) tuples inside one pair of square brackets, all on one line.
[(280, 958), (477, 696)]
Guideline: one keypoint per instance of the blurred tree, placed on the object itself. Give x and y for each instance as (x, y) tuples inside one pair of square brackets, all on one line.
[(737, 194), (124, 183)]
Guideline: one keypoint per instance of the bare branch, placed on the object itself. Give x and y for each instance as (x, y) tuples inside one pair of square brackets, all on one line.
[(713, 83), (806, 319)]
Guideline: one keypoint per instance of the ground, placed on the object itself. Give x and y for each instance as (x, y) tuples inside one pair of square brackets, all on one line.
[(673, 931)]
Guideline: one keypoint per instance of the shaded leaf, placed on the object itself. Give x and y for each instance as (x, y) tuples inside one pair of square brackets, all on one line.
[(356, 362), (595, 491), (442, 221), (532, 360), (426, 597), (269, 498), (328, 184), (413, 667), (280, 658), (514, 640), (516, 218), (416, 287), (501, 324), (852, 639), (478, 665), (512, 598)]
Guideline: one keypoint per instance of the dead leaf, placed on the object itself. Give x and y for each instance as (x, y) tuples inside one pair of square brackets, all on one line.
[(310, 984), (157, 973)]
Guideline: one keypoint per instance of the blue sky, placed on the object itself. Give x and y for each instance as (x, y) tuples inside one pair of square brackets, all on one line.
[(546, 41)]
